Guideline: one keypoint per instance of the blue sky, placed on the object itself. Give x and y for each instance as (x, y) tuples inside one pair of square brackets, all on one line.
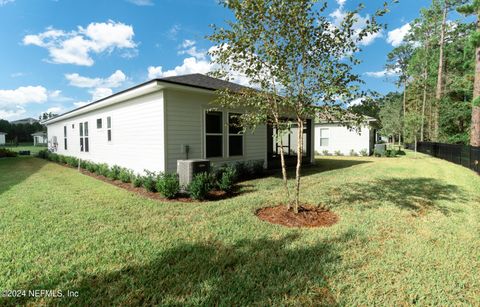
[(57, 55)]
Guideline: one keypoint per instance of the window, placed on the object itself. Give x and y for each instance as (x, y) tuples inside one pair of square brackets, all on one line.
[(213, 135), (235, 135), (65, 137), (324, 137), (109, 129), (99, 123), (84, 145)]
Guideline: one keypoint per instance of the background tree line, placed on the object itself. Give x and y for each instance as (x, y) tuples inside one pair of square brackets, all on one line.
[(435, 71), (19, 133)]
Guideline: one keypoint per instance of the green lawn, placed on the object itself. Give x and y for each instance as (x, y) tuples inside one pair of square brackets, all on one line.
[(33, 149), (409, 233)]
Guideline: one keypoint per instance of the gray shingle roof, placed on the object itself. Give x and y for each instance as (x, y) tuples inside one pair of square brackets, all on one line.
[(203, 81)]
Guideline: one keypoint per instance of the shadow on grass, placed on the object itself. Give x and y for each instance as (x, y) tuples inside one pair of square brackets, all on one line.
[(14, 171), (415, 194), (321, 165), (249, 272)]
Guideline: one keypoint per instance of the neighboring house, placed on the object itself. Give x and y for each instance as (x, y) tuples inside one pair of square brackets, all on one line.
[(25, 121), (39, 138), (2, 138), (334, 137), (154, 124)]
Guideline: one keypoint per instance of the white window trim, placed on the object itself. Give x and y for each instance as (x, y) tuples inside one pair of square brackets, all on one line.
[(109, 129), (82, 135), (320, 135)]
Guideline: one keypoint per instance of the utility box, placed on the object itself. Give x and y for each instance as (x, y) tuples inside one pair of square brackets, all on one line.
[(187, 169)]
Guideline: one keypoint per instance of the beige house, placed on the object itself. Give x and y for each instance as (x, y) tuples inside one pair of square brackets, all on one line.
[(154, 124)]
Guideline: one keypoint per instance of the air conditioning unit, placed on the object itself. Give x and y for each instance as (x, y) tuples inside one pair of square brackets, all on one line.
[(187, 169)]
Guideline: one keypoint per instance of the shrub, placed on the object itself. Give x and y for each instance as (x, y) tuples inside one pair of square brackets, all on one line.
[(168, 185), (255, 168), (83, 164), (91, 167), (125, 175), (53, 157), (364, 152), (114, 172), (72, 161), (391, 153), (338, 153), (241, 170), (227, 180), (43, 154), (353, 153), (102, 169), (62, 159), (325, 152), (137, 181), (150, 181), (7, 153), (200, 186)]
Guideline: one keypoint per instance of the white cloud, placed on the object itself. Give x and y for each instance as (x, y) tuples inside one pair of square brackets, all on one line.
[(141, 2), (357, 101), (173, 32), (12, 102), (76, 47), (24, 95), (5, 2), (382, 73), (396, 36), (341, 2), (360, 23), (79, 104), (189, 48), (55, 110), (101, 92), (188, 43), (17, 74), (115, 80)]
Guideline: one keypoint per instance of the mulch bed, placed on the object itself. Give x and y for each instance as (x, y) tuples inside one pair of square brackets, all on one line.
[(308, 216)]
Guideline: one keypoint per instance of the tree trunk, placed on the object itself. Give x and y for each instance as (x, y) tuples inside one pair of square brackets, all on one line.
[(424, 103), (440, 77), (475, 128), (284, 167), (299, 164)]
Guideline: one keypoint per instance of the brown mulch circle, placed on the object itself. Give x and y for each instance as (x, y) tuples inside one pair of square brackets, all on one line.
[(308, 216)]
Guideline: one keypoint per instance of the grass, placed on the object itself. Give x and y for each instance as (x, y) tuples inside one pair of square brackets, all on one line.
[(33, 149), (408, 234)]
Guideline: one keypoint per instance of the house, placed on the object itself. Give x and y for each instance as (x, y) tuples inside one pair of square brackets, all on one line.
[(28, 120), (2, 138), (39, 138), (154, 124), (335, 137)]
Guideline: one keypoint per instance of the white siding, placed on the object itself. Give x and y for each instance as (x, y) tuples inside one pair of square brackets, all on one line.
[(137, 134), (2, 139), (343, 139), (184, 125)]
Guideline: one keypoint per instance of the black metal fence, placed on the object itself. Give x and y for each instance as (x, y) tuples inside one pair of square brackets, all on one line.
[(467, 156)]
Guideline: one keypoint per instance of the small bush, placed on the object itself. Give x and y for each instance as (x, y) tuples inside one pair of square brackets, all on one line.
[(391, 153), (125, 175), (150, 181), (43, 154), (364, 152), (62, 159), (227, 180), (83, 164), (241, 170), (137, 181), (200, 186), (168, 185), (71, 161), (54, 157), (325, 152), (7, 153), (91, 167), (114, 173), (338, 153), (102, 169), (353, 153), (255, 168)]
